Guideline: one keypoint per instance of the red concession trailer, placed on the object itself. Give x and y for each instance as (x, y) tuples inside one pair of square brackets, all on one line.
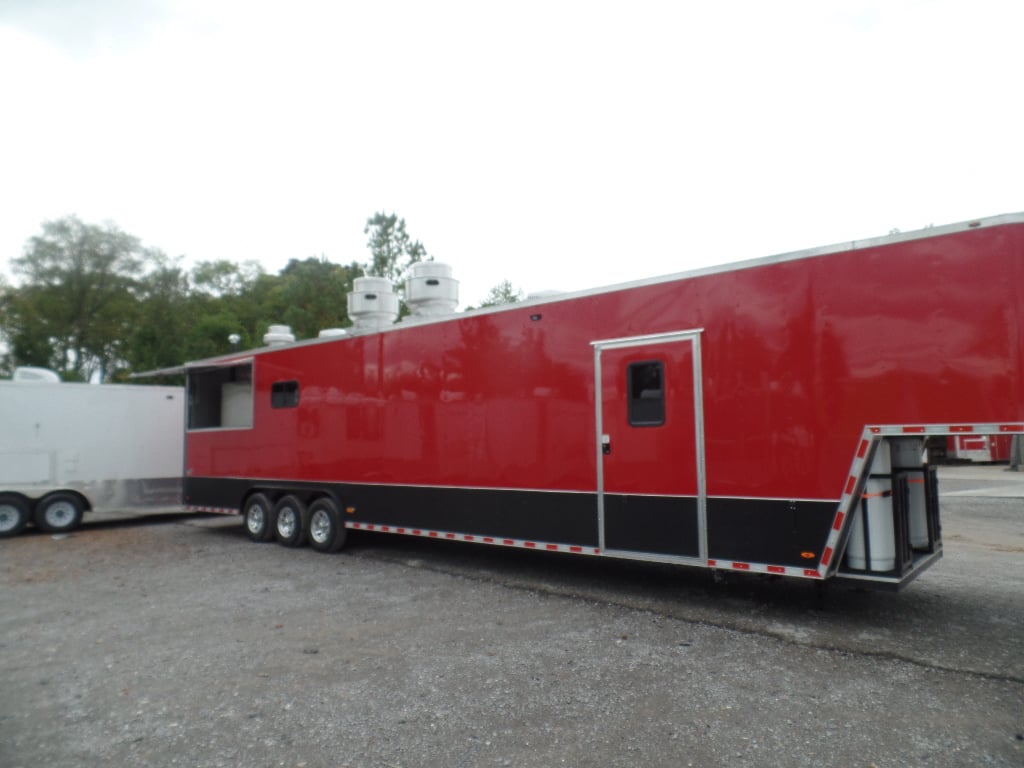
[(979, 448), (769, 416)]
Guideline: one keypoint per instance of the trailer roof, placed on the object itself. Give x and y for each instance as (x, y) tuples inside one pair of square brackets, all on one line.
[(850, 245)]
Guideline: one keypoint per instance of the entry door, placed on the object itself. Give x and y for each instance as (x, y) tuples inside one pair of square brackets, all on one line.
[(650, 446)]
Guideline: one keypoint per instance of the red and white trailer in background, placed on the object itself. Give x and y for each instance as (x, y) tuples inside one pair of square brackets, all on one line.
[(986, 449), (769, 416)]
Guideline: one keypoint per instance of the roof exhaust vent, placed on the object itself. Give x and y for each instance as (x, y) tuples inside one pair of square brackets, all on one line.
[(330, 333), (430, 290), (278, 336), (372, 303)]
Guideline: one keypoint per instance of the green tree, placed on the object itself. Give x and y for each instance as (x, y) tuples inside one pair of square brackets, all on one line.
[(502, 293), (314, 293), (159, 335), (78, 297), (392, 250), (6, 295)]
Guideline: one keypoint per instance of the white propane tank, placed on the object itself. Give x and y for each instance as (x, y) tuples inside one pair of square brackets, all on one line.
[(430, 289), (372, 303), (278, 335), (872, 545), (908, 455)]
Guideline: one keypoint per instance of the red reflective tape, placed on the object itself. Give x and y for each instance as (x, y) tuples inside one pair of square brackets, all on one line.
[(875, 430), (913, 430), (712, 563), (488, 540), (385, 528), (812, 573), (399, 530), (553, 547), (467, 537), (827, 556), (508, 542), (529, 544), (1011, 427), (863, 449), (840, 516), (417, 532), (961, 428), (449, 535), (576, 549), (776, 569), (741, 566), (369, 527), (432, 534), (850, 484)]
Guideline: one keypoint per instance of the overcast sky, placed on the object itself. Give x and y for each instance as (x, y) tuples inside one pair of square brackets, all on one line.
[(560, 145)]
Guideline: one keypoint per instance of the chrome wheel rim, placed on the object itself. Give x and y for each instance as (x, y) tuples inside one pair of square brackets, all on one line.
[(255, 518), (320, 527), (286, 522)]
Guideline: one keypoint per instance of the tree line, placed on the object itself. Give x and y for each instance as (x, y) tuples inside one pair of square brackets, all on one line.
[(94, 303)]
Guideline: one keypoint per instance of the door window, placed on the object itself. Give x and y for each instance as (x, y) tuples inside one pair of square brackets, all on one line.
[(645, 392)]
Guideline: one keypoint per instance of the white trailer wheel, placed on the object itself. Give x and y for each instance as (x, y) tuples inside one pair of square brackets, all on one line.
[(14, 513), (326, 529), (291, 521), (59, 513), (258, 514)]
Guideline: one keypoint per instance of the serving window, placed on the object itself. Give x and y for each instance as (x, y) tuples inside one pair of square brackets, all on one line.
[(220, 398)]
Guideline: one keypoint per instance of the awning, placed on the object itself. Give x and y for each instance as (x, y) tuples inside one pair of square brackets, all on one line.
[(199, 365)]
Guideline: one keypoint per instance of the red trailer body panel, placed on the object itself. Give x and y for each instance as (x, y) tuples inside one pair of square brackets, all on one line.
[(515, 421)]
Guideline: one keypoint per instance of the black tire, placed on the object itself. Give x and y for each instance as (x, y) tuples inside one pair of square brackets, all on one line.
[(258, 516), (327, 531), (14, 514), (58, 512), (291, 521)]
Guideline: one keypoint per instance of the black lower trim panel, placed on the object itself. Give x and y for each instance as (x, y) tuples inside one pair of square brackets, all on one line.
[(771, 531), (749, 530), (653, 524), (564, 518)]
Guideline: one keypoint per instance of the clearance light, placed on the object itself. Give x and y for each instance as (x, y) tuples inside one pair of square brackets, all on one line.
[(808, 555), (350, 510)]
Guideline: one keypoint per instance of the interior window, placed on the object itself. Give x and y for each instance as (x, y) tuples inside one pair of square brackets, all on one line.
[(645, 390)]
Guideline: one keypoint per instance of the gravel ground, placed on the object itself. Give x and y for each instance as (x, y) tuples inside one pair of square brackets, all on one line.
[(173, 640)]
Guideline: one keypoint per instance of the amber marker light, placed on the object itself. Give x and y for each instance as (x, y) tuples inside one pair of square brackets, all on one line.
[(808, 555)]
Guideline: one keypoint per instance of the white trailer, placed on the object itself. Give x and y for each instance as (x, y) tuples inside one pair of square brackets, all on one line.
[(67, 449)]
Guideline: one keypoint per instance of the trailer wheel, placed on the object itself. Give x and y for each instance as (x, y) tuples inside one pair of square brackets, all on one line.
[(326, 530), (14, 513), (258, 514), (291, 521), (59, 512)]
